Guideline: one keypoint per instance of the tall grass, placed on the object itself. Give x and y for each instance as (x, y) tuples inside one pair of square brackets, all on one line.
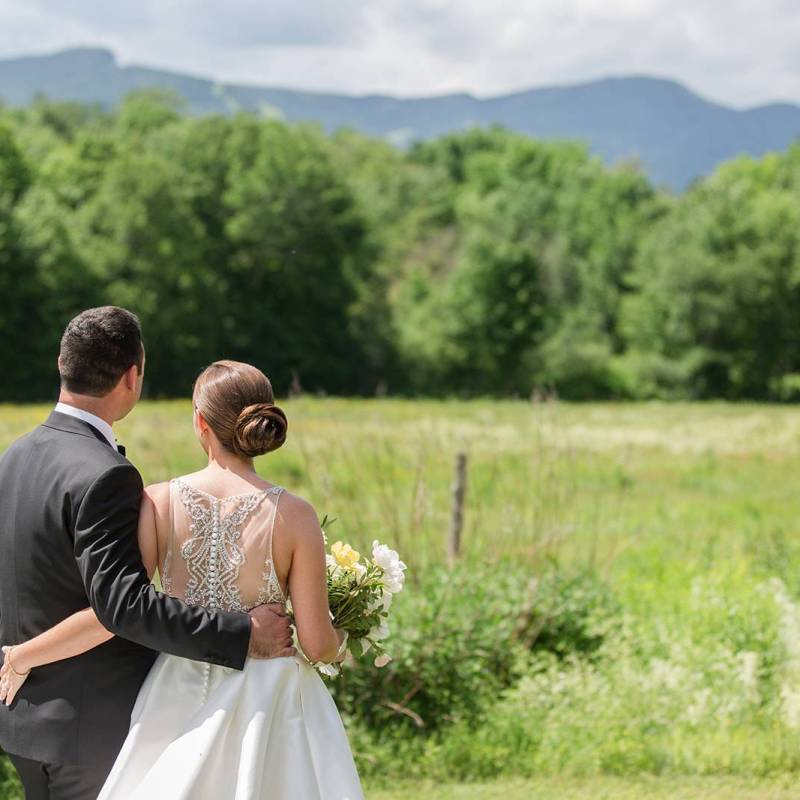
[(687, 513)]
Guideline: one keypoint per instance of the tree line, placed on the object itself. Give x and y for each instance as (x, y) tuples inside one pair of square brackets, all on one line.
[(480, 263)]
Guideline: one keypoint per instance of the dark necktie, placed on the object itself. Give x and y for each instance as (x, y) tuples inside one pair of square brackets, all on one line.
[(121, 449)]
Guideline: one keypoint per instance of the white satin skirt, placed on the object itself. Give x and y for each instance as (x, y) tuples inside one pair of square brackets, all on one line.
[(202, 732)]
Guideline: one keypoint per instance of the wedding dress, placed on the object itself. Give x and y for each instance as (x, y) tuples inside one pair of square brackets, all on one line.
[(204, 732)]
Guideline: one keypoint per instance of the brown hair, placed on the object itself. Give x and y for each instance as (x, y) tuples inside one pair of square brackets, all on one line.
[(98, 347), (237, 402)]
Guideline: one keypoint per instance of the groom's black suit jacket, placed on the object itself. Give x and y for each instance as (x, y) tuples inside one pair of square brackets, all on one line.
[(69, 509)]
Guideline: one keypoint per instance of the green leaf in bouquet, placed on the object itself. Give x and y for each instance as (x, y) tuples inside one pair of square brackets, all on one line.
[(327, 521)]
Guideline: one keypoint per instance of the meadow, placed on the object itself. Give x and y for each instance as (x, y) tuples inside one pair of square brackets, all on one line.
[(624, 620)]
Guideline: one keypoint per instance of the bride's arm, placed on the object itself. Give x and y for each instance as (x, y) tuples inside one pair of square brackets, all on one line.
[(80, 632), (308, 586)]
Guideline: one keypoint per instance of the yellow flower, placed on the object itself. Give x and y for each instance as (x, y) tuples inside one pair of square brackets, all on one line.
[(345, 556)]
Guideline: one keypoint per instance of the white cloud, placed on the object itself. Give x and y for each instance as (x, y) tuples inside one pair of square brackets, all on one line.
[(737, 51), (277, 23), (100, 14)]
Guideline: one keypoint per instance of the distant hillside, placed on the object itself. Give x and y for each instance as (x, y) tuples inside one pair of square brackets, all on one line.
[(673, 133)]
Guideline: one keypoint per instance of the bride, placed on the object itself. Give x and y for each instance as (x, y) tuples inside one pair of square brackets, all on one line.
[(225, 538)]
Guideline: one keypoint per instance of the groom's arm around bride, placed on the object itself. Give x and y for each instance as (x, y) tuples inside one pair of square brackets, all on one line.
[(69, 511)]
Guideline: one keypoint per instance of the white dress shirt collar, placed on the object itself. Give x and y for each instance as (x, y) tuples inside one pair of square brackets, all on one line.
[(95, 421)]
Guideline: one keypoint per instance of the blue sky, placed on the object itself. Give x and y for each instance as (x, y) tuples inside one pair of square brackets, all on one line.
[(736, 51)]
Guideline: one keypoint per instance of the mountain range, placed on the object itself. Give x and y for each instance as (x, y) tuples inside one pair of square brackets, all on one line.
[(674, 134)]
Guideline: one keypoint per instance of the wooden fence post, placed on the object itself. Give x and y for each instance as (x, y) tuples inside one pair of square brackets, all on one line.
[(457, 514)]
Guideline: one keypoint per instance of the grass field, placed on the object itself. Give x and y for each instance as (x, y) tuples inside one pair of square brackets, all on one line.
[(689, 513), (603, 789)]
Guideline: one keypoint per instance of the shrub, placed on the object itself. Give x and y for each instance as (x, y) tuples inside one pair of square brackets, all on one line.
[(461, 639), (10, 788), (568, 614), (453, 647), (718, 695)]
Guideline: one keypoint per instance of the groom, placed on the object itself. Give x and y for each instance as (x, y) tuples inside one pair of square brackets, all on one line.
[(69, 508)]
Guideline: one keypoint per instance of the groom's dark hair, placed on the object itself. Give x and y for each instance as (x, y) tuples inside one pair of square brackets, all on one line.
[(98, 347)]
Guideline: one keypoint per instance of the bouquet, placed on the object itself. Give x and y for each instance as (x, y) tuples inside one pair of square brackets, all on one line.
[(360, 592)]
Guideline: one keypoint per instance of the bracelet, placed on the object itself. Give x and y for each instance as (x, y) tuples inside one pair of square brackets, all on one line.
[(11, 665)]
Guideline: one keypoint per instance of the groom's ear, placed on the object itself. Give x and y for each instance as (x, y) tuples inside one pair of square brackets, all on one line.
[(131, 377)]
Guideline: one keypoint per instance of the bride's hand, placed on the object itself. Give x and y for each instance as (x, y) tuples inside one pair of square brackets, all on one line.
[(10, 680)]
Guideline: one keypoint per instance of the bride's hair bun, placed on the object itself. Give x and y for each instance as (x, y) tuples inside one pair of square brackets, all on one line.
[(260, 428), (237, 402)]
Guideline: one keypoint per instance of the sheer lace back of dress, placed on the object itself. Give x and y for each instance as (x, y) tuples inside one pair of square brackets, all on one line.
[(219, 550)]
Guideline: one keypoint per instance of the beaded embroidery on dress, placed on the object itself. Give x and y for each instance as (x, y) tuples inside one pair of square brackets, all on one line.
[(224, 547), (204, 732)]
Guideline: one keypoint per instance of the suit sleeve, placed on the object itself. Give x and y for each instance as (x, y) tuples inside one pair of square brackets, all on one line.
[(120, 592)]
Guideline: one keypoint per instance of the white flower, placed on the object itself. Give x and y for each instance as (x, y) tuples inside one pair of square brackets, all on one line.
[(380, 631), (382, 660), (791, 706), (389, 561), (749, 667), (392, 583), (697, 710), (331, 670), (359, 569), (383, 602), (386, 558)]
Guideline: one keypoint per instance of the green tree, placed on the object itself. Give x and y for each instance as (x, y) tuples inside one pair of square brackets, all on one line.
[(295, 235), (718, 286), (146, 110), (144, 245), (22, 320), (535, 261)]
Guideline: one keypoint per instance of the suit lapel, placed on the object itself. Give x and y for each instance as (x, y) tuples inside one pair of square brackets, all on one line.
[(64, 422)]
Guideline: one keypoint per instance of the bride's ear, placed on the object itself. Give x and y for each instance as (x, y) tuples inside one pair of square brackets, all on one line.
[(200, 422)]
